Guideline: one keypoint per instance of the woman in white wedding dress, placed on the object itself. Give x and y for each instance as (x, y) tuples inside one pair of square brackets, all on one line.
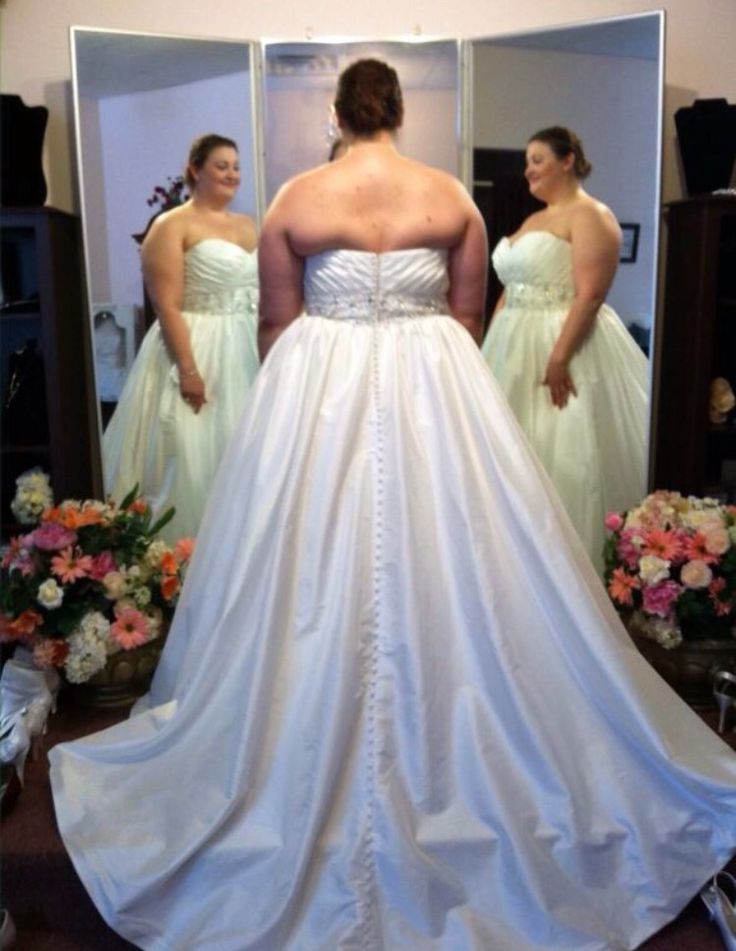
[(396, 709), (571, 371), (187, 387)]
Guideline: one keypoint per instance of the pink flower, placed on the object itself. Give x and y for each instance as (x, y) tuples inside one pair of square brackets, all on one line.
[(722, 608), (103, 564), (717, 541), (662, 544), (696, 549), (613, 521), (628, 551), (131, 628), (659, 598), (52, 537), (71, 566), (183, 550)]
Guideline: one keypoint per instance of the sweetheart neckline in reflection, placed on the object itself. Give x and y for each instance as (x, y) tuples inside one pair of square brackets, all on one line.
[(512, 244), (222, 241)]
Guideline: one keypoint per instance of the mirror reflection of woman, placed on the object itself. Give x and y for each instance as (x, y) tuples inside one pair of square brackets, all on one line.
[(573, 374), (187, 386)]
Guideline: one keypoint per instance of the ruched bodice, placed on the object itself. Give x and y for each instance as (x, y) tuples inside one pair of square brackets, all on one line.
[(363, 285), (220, 277), (536, 270)]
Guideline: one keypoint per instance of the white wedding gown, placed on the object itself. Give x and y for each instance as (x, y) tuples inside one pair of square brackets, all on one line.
[(154, 438), (396, 709), (595, 449)]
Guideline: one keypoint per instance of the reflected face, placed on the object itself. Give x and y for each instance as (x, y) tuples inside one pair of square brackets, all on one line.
[(220, 174), (544, 171)]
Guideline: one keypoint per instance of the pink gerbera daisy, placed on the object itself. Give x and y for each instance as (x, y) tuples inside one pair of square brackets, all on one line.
[(663, 544), (70, 566), (131, 628)]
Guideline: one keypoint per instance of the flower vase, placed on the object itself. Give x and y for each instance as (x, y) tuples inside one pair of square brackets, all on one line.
[(126, 676), (689, 667)]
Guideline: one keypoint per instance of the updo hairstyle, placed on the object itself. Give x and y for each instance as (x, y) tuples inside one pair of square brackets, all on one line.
[(564, 142), (200, 151), (369, 97)]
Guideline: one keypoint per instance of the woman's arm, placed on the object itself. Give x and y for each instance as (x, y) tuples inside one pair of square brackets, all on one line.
[(280, 271), (468, 272), (162, 258), (596, 242)]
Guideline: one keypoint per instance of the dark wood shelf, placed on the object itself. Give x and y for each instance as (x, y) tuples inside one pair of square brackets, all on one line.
[(43, 278), (696, 342)]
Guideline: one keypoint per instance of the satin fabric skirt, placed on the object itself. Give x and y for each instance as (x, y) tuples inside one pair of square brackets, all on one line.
[(154, 438), (396, 709), (595, 448)]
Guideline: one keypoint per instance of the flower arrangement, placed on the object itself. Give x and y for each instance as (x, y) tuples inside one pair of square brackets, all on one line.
[(165, 197), (88, 580), (170, 196), (671, 568)]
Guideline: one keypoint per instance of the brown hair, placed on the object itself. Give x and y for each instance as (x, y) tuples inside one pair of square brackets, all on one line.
[(564, 142), (200, 151), (369, 97)]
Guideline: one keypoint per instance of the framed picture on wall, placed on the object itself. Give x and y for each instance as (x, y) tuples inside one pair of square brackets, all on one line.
[(630, 243)]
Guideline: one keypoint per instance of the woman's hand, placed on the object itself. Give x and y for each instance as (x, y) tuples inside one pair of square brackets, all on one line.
[(557, 378), (191, 387)]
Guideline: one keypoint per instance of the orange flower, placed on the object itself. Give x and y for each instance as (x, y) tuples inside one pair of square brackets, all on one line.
[(139, 506), (169, 587), (183, 549), (72, 516), (696, 549), (21, 627), (665, 545), (169, 564), (622, 585), (51, 652)]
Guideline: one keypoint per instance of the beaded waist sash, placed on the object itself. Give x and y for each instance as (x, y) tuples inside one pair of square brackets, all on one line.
[(370, 307), (537, 295)]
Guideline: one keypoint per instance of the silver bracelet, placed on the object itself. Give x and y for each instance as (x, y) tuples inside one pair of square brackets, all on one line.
[(186, 373)]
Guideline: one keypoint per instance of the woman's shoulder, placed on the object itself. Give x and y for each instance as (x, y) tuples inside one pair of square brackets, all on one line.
[(589, 213)]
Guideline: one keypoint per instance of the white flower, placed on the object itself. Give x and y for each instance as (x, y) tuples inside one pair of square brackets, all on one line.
[(115, 585), (659, 629), (88, 648), (717, 541), (155, 552), (33, 495), (696, 574), (50, 594), (653, 569), (142, 596)]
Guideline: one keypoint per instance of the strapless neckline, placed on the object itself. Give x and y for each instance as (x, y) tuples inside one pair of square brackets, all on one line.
[(526, 234), (232, 244)]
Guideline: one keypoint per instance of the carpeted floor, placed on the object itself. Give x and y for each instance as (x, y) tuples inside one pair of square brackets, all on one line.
[(53, 913)]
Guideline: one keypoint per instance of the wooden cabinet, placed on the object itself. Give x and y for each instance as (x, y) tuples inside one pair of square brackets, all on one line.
[(696, 342), (50, 421)]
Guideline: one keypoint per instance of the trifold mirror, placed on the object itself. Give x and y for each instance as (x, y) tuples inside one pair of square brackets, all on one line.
[(470, 107)]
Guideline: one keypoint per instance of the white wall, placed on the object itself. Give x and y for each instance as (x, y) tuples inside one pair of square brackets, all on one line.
[(608, 101), (146, 137), (36, 61)]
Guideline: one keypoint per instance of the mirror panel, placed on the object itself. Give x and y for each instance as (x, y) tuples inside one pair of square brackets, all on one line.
[(604, 80), (139, 101), (299, 89)]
